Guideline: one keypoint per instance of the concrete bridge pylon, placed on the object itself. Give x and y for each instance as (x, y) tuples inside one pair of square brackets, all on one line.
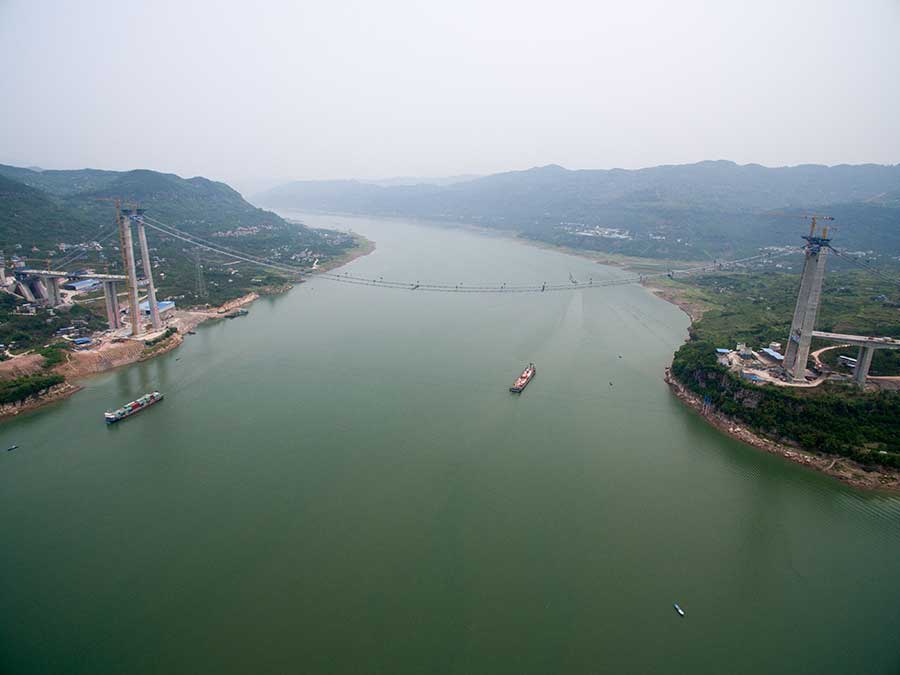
[(124, 217), (148, 271), (807, 308)]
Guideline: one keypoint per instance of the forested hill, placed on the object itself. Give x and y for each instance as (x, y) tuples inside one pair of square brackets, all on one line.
[(29, 214), (45, 208), (682, 211), (44, 214)]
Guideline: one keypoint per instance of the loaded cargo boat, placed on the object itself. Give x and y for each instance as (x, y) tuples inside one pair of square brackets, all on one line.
[(523, 379), (236, 313), (145, 401)]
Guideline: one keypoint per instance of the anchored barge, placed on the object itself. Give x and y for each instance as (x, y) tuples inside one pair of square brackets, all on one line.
[(145, 401), (523, 380), (236, 313)]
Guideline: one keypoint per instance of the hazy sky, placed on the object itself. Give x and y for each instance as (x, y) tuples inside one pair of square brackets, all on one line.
[(251, 91)]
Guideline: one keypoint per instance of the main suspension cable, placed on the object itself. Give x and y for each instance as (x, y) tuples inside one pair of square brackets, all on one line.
[(873, 270), (444, 287)]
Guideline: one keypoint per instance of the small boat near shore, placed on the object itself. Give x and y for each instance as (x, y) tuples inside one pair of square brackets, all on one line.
[(236, 313), (523, 379)]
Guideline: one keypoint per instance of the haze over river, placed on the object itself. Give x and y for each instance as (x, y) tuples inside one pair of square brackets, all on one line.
[(341, 483)]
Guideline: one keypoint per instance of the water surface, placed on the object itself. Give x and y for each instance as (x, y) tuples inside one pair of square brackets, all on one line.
[(341, 483)]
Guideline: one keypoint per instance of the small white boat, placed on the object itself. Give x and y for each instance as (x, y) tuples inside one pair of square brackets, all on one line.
[(678, 609)]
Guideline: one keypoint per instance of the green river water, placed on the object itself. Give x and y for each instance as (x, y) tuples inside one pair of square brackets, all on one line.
[(341, 483)]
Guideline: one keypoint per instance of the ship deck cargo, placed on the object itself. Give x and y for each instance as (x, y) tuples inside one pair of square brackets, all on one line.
[(523, 379), (145, 401)]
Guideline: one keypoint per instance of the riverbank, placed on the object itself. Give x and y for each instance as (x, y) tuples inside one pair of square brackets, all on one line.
[(55, 393), (115, 352), (845, 470), (695, 306), (363, 247)]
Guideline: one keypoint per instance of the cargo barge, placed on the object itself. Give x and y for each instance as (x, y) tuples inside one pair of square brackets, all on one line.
[(236, 313), (145, 401), (523, 379)]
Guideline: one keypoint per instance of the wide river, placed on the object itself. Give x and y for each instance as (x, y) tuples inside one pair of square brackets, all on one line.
[(341, 483)]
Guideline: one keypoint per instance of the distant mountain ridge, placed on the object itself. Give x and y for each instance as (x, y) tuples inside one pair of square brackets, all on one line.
[(687, 211), (421, 180)]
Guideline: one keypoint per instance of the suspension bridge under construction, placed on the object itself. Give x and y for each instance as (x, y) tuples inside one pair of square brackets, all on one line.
[(43, 285)]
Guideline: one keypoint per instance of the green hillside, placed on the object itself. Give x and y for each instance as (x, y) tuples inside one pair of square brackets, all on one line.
[(39, 210), (31, 217)]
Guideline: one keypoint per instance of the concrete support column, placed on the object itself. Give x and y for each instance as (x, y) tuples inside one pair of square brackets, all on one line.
[(863, 363), (148, 274), (110, 319), (53, 291), (40, 290), (114, 288), (805, 314), (112, 305), (793, 341), (24, 290), (130, 269)]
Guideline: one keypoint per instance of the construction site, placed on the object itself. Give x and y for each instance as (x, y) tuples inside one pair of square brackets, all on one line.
[(137, 322), (790, 366), (141, 318)]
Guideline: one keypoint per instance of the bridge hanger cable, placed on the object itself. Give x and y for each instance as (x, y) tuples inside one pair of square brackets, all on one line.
[(189, 239), (69, 259), (870, 268), (344, 277), (558, 286)]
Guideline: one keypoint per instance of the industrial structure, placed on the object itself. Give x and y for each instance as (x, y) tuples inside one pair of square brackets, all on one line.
[(33, 285), (867, 347), (797, 351), (767, 363), (148, 272), (36, 285)]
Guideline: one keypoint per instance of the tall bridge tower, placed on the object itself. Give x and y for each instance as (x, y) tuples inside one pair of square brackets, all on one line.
[(807, 308), (127, 242), (148, 270), (126, 216)]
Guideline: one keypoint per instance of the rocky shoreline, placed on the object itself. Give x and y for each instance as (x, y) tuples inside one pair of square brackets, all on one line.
[(55, 393), (846, 470)]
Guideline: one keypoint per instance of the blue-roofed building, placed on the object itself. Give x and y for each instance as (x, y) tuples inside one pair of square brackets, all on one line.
[(848, 361), (83, 342), (163, 306), (720, 350), (81, 285), (771, 353)]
